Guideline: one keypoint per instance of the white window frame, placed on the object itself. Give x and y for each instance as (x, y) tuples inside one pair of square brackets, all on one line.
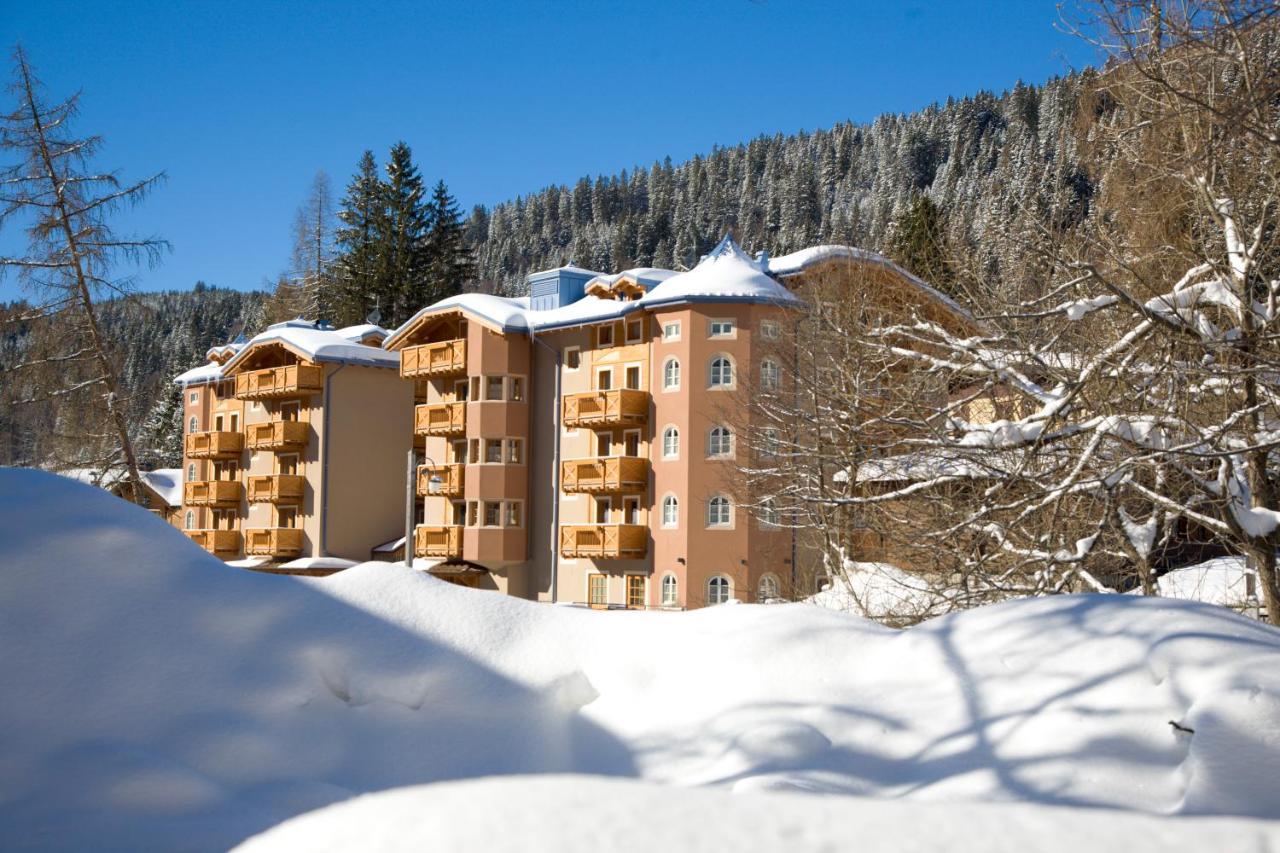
[(602, 371), (193, 425), (671, 324), (726, 584), (673, 600), (191, 472), (711, 373), (770, 375), (564, 359), (724, 335), (626, 330), (769, 516), (770, 330), (613, 335), (189, 521), (714, 522), (772, 580), (667, 384), (671, 520), (713, 452), (193, 397), (674, 432)]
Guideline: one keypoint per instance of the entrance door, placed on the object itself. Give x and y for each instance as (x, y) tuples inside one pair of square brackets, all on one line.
[(604, 443), (631, 440), (630, 510), (635, 592), (602, 510)]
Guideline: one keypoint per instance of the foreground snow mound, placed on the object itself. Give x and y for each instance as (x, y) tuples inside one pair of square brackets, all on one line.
[(561, 814), (156, 697)]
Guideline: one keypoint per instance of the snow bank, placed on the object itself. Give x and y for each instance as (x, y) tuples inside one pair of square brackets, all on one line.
[(879, 591), (1224, 581), (586, 815), (156, 697)]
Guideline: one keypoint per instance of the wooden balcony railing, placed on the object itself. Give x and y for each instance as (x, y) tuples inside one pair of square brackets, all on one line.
[(440, 419), (293, 380), (606, 408), (219, 493), (604, 541), (451, 477), (604, 474), (443, 358), (216, 542), (214, 445), (275, 488), (278, 435), (273, 542), (437, 540)]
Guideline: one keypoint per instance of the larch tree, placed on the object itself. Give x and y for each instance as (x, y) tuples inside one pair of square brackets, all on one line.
[(312, 260), (65, 204)]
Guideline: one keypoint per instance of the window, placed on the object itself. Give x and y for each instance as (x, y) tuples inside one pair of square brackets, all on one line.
[(670, 443), (461, 391), (604, 335), (770, 444), (670, 511), (493, 450), (720, 442), (770, 330), (721, 372), (459, 512), (718, 590), (517, 389), (631, 442), (632, 378), (604, 443), (769, 374), (603, 506), (493, 388), (572, 358), (719, 511), (635, 331), (194, 397), (635, 592), (671, 374), (472, 514), (721, 328), (597, 589), (515, 450), (492, 513), (768, 513), (190, 521), (191, 473), (287, 517), (193, 425), (513, 513), (671, 331), (768, 589), (670, 589), (604, 379), (474, 455)]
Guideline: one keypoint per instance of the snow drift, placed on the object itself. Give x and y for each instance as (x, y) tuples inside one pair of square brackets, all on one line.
[(158, 698)]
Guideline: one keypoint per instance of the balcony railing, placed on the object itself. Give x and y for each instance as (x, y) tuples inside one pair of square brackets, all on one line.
[(273, 542), (605, 474), (440, 419), (219, 493), (290, 381), (216, 542), (278, 435), (604, 541), (437, 540), (214, 445), (451, 477), (606, 408), (443, 358), (275, 488)]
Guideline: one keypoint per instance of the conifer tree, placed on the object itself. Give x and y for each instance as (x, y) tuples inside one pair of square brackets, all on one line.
[(919, 243), (448, 257), (355, 291), (401, 282)]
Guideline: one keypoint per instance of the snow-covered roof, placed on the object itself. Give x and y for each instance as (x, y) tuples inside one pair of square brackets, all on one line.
[(798, 262), (167, 483), (362, 331), (923, 465), (647, 276), (725, 274), (316, 343)]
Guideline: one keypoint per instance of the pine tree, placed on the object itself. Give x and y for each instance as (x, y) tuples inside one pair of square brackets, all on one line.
[(919, 244), (449, 262), (355, 291), (162, 433), (401, 282)]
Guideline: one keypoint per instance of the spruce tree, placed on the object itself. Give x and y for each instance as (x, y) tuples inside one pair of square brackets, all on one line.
[(355, 286), (449, 261), (919, 244), (400, 273)]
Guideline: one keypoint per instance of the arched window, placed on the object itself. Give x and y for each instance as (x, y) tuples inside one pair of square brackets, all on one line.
[(769, 374), (671, 443), (719, 511), (720, 441), (768, 513), (671, 374), (191, 473), (193, 425), (768, 589), (718, 590), (190, 520), (670, 590), (721, 372), (670, 511)]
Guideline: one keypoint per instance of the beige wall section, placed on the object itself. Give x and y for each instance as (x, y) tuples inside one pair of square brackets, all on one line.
[(367, 434)]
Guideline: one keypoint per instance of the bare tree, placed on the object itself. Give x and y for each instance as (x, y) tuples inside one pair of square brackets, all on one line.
[(65, 205), (313, 248)]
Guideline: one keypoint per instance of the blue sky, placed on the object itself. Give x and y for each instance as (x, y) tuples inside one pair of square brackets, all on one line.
[(241, 103)]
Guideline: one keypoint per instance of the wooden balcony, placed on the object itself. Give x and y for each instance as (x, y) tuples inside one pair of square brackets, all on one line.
[(273, 542), (213, 445), (294, 380), (443, 358), (451, 477), (217, 493), (220, 543), (440, 419), (606, 408), (278, 435), (604, 541), (437, 540), (276, 488), (605, 474)]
